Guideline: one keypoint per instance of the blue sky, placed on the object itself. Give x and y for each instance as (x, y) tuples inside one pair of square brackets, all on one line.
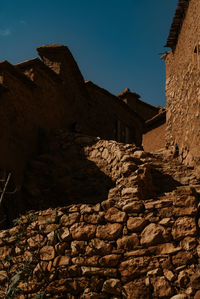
[(115, 42)]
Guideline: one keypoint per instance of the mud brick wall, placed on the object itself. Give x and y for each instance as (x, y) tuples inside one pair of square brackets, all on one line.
[(132, 99), (182, 89), (155, 139), (113, 119)]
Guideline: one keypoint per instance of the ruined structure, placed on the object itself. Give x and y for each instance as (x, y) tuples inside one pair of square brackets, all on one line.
[(183, 81), (40, 95)]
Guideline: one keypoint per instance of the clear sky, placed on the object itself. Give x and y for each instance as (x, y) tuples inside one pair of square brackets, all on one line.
[(116, 43)]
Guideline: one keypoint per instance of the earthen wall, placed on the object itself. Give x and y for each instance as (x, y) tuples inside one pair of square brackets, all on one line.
[(182, 89), (144, 110), (37, 97), (113, 119), (154, 139)]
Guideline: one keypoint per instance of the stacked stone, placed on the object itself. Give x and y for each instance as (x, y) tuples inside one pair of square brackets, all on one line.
[(135, 244), (149, 250), (79, 168)]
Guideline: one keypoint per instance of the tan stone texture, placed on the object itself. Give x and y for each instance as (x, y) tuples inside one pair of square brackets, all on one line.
[(182, 92)]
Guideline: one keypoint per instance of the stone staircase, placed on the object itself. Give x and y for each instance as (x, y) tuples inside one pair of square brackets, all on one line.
[(110, 221)]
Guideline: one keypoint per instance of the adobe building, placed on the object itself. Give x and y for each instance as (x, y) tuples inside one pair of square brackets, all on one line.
[(154, 136), (183, 82), (143, 109), (114, 119), (35, 99), (38, 96), (154, 118)]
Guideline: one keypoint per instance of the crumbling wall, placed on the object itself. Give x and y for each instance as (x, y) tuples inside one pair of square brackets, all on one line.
[(51, 113), (182, 89), (76, 168), (60, 60)]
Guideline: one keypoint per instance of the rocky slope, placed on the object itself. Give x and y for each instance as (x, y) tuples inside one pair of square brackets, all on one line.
[(127, 225)]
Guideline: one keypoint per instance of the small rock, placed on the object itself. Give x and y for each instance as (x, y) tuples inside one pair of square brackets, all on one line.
[(128, 168), (94, 218), (47, 253), (134, 207), (165, 248), (109, 231), (105, 154), (135, 266), (67, 220), (137, 289), (112, 286), (136, 224), (162, 287), (188, 243), (152, 234), (169, 275), (165, 221), (130, 191), (180, 296), (65, 236), (154, 272), (183, 227), (97, 246), (128, 242), (183, 258), (109, 260), (115, 215), (35, 241), (107, 204), (140, 154), (89, 271), (82, 231)]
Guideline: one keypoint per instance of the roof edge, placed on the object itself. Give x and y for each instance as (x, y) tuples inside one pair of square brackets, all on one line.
[(177, 23)]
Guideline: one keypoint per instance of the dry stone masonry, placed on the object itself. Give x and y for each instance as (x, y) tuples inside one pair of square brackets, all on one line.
[(141, 240), (182, 82)]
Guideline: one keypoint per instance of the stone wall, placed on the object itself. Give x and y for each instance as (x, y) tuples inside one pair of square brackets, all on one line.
[(74, 168), (182, 89), (113, 225), (130, 249)]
